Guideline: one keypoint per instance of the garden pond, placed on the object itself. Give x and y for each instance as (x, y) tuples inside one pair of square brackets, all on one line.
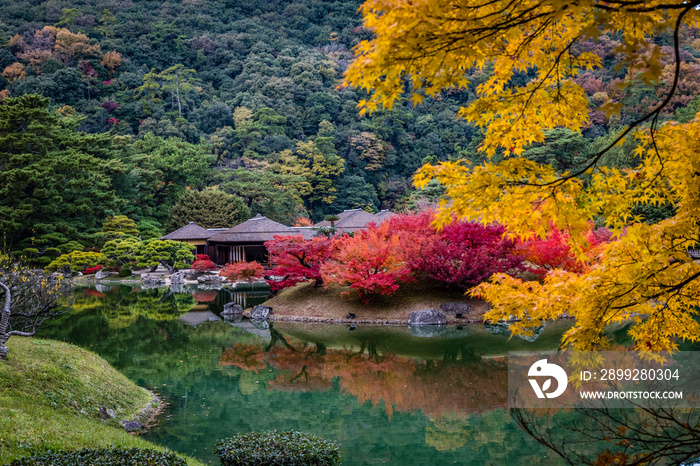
[(385, 394)]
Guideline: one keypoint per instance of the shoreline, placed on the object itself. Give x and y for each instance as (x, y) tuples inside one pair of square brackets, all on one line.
[(329, 320), (307, 303)]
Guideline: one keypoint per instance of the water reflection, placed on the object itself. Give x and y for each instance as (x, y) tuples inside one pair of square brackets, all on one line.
[(385, 395), (459, 385)]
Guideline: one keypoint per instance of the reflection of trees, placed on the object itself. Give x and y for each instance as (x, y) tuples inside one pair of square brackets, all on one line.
[(209, 401), (452, 432), (122, 306), (404, 384), (140, 335), (602, 436)]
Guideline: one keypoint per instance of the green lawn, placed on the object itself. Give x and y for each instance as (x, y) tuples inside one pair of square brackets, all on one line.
[(50, 395)]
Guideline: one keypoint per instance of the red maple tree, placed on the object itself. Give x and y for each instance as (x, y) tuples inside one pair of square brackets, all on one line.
[(297, 260)]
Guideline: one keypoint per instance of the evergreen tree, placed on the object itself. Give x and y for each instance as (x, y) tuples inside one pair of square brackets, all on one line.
[(118, 226), (170, 166), (210, 208), (54, 187)]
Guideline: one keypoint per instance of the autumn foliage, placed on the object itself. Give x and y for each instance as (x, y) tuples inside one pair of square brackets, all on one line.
[(202, 263), (424, 49), (554, 251), (464, 254), (242, 271), (93, 270), (372, 262), (379, 259), (297, 260)]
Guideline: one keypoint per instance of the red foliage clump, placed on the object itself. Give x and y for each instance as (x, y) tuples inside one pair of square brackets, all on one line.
[(110, 106), (201, 257), (242, 271), (91, 270), (464, 254), (203, 265), (372, 262), (297, 260), (554, 252)]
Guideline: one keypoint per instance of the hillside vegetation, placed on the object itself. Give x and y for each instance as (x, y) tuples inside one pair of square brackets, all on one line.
[(50, 397), (158, 99)]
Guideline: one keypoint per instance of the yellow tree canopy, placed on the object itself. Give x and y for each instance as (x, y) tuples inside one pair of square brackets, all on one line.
[(425, 46)]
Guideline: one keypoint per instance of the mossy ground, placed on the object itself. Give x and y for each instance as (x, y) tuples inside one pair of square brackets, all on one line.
[(50, 395), (307, 302)]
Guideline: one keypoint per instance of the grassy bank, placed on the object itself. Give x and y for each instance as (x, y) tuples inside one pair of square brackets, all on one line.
[(306, 302), (50, 396)]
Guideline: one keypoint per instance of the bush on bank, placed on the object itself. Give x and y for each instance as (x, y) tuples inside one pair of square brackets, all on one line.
[(102, 457), (273, 448)]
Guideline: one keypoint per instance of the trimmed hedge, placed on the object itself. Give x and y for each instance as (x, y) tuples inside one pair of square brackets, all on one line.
[(102, 457), (274, 448), (124, 272)]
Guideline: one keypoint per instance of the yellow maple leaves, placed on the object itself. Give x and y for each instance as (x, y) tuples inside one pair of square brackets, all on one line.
[(425, 46)]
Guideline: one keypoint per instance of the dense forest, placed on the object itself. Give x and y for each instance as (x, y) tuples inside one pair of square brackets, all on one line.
[(157, 110)]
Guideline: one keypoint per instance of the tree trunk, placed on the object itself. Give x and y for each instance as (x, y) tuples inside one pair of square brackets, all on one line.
[(4, 322), (179, 105), (170, 268)]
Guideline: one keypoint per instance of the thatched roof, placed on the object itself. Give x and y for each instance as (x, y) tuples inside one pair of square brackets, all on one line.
[(189, 231), (355, 219), (305, 232), (254, 230), (384, 215)]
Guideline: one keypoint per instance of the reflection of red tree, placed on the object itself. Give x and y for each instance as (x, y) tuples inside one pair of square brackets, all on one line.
[(247, 357), (205, 296), (403, 384), (95, 293)]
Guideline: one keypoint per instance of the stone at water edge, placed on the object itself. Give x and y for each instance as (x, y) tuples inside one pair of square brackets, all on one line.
[(152, 279), (101, 274), (131, 426), (232, 308), (210, 279), (260, 312), (456, 308), (177, 278), (427, 317)]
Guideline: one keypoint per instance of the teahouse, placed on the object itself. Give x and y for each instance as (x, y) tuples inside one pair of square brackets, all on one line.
[(192, 234), (246, 241)]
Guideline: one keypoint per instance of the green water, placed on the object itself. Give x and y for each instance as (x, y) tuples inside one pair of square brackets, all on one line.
[(385, 395)]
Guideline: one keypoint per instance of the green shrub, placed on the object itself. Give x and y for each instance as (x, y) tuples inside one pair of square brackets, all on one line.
[(76, 261), (102, 457), (124, 272), (277, 448)]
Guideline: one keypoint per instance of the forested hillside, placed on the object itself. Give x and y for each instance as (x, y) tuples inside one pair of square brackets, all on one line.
[(149, 100)]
